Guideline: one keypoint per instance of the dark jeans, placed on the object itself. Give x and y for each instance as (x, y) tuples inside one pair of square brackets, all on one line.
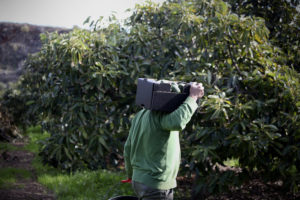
[(147, 193)]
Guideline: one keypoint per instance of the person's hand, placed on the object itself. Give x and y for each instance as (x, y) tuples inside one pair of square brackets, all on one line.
[(196, 90)]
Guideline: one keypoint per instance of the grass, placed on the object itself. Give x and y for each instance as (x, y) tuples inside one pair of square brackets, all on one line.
[(232, 162), (35, 135), (4, 146), (100, 184), (9, 175)]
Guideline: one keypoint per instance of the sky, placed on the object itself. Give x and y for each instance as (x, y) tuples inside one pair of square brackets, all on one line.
[(64, 13)]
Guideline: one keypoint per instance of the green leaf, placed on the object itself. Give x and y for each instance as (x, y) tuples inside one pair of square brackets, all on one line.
[(87, 20), (272, 127), (102, 141), (213, 96), (209, 76), (216, 114), (225, 113), (29, 103), (82, 117), (67, 153)]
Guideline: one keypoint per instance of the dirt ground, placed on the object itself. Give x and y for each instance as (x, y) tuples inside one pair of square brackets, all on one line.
[(256, 189), (23, 189)]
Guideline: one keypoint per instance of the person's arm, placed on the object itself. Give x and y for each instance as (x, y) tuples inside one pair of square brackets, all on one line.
[(178, 119), (127, 148)]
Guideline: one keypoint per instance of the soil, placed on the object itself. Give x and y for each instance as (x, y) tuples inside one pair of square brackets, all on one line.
[(255, 189), (23, 189)]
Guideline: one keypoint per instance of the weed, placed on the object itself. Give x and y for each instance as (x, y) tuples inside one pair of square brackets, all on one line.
[(9, 175)]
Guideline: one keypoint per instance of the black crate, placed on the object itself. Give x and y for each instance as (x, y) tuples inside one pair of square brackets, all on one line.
[(156, 95)]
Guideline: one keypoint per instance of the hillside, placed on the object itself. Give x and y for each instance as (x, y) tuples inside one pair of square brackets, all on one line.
[(16, 42)]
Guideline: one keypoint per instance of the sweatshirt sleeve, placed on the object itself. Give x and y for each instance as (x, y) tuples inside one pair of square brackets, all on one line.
[(178, 119), (127, 149)]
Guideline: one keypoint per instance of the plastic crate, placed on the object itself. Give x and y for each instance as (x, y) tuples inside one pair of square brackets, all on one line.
[(157, 95)]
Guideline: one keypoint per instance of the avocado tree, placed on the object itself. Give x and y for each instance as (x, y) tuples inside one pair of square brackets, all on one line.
[(248, 93), (74, 84), (282, 18)]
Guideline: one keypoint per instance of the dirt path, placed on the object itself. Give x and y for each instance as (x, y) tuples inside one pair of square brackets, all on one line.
[(23, 189)]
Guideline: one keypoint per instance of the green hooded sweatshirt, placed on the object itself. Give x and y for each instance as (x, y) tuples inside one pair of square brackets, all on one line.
[(152, 149)]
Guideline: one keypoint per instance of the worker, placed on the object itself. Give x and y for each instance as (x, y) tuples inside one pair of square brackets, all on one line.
[(152, 149)]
